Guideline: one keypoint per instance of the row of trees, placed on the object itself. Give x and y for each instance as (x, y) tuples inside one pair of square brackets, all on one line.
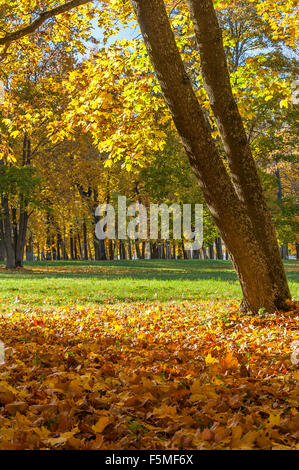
[(56, 221)]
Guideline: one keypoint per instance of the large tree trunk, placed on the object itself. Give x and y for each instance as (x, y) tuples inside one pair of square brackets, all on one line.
[(228, 211), (229, 122)]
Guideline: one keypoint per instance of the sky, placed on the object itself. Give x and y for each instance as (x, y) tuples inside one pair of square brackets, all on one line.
[(125, 33)]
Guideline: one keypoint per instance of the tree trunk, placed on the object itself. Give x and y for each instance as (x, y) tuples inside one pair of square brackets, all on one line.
[(143, 250), (218, 244), (6, 234), (228, 210), (168, 249), (229, 122), (58, 244), (71, 244), (137, 248), (21, 238), (75, 247), (99, 245), (129, 249), (122, 250), (184, 252), (173, 256), (111, 249), (284, 250), (21, 228), (2, 247), (85, 241)]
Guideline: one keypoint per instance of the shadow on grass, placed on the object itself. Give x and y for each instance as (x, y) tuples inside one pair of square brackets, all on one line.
[(171, 270), (160, 270)]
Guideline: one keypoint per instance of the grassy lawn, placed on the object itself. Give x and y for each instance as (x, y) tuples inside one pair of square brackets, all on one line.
[(80, 282)]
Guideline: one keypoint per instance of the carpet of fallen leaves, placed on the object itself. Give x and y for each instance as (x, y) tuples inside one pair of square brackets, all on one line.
[(148, 376)]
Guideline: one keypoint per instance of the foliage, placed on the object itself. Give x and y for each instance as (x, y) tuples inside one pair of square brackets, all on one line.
[(148, 376), (14, 180), (94, 112)]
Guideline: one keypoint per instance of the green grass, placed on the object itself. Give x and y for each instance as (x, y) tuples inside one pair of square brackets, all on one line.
[(80, 282)]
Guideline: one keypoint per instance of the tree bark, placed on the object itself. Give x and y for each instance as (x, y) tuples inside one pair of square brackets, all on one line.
[(2, 247), (21, 238), (143, 250), (6, 228), (284, 251), (72, 244), (99, 245), (227, 209), (58, 244), (230, 125), (137, 248), (85, 241), (218, 243)]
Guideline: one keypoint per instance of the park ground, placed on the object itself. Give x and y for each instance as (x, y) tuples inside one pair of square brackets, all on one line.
[(102, 282), (148, 354)]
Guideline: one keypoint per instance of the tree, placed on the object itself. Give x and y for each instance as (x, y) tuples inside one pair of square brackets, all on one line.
[(238, 206), (18, 195)]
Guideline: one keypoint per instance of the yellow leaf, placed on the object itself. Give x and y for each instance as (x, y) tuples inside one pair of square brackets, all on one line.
[(274, 420), (165, 411), (210, 359), (230, 361), (284, 103), (195, 387), (101, 424), (296, 375)]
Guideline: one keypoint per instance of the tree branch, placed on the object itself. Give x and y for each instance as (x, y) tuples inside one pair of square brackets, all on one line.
[(44, 16)]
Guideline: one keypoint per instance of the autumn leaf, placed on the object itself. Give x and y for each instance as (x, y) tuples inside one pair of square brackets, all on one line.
[(101, 424)]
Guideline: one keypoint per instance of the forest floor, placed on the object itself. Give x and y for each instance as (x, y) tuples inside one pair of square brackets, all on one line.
[(144, 355)]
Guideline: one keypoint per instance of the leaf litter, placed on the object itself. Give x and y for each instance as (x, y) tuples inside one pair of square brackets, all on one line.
[(148, 376)]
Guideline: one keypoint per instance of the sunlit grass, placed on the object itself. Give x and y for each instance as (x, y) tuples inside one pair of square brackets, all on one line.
[(82, 282)]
